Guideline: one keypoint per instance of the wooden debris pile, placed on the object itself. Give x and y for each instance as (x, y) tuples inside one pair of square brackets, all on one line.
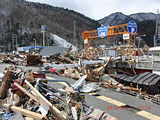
[(23, 60), (91, 54), (8, 58), (33, 60), (95, 72), (26, 98)]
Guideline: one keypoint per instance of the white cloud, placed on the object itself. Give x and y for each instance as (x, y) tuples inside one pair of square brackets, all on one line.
[(98, 9)]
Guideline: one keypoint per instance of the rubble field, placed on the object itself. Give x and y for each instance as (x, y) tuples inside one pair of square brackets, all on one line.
[(26, 92)]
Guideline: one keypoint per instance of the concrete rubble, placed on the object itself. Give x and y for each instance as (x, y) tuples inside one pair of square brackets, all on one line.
[(28, 95)]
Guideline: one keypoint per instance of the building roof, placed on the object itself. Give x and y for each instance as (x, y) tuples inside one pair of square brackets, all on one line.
[(154, 48)]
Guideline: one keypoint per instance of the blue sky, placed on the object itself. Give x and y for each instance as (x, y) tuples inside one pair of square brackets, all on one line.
[(97, 9)]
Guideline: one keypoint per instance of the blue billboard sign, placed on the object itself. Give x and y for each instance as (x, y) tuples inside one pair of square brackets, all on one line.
[(102, 31)]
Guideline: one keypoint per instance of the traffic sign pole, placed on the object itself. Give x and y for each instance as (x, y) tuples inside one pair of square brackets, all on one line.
[(43, 38), (43, 27), (132, 29)]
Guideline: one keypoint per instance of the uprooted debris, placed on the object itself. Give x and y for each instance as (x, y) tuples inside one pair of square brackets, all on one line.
[(82, 86), (27, 100), (6, 80), (25, 59), (95, 70), (34, 60)]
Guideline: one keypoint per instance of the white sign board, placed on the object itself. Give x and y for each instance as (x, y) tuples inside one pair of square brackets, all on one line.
[(125, 36), (85, 41)]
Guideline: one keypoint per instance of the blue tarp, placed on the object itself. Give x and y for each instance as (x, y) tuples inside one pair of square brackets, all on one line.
[(25, 48)]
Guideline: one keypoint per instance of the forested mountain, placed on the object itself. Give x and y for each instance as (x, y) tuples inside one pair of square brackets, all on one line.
[(22, 19), (20, 22)]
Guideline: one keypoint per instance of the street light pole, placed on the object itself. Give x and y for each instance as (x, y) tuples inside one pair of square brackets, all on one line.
[(140, 38), (139, 42), (34, 44)]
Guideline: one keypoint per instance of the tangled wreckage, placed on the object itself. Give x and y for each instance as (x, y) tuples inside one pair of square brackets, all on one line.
[(30, 94)]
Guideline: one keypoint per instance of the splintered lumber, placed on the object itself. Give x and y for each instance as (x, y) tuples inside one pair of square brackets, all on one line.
[(6, 80), (64, 59), (77, 73), (26, 92), (54, 110), (31, 77), (91, 79), (107, 85), (116, 69), (141, 51), (101, 68), (24, 112), (68, 52)]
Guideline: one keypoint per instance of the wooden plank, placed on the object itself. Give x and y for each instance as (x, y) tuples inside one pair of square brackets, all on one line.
[(24, 112), (56, 112), (26, 92)]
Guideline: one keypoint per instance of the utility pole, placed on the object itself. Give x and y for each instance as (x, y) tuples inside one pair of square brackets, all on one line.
[(15, 38), (75, 33)]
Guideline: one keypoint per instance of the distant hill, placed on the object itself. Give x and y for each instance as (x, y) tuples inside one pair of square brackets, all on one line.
[(25, 19), (115, 19), (144, 16), (120, 18)]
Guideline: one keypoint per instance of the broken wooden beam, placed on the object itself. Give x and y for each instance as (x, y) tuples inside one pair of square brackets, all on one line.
[(97, 70), (24, 112), (54, 110), (26, 92)]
